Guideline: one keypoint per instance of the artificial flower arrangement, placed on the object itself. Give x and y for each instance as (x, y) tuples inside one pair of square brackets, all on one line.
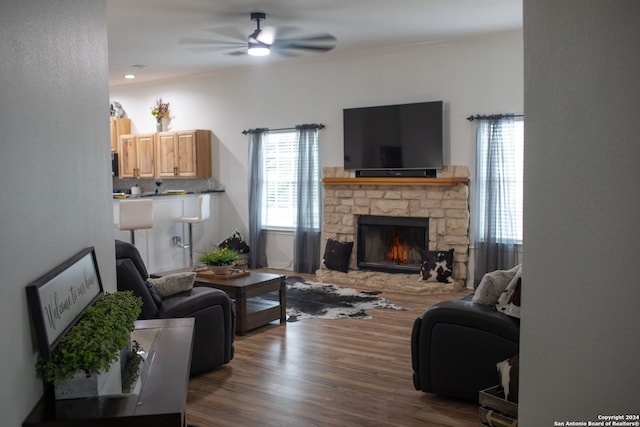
[(219, 257), (160, 110)]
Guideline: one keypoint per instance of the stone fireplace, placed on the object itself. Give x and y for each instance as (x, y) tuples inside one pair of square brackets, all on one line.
[(441, 204)]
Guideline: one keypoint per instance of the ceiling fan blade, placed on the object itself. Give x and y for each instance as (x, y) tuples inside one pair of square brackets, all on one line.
[(212, 49), (286, 53), (198, 40), (230, 32), (297, 46), (311, 38), (318, 43), (284, 32), (237, 52)]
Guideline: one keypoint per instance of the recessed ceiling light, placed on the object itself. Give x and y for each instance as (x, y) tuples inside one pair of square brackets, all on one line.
[(129, 76)]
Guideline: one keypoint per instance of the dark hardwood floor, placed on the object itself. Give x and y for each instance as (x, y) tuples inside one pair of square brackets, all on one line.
[(315, 372)]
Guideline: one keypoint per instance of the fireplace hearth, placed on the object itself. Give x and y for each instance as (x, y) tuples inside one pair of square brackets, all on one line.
[(391, 244)]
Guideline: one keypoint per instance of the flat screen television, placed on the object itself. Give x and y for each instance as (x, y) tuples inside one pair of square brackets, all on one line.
[(394, 137)]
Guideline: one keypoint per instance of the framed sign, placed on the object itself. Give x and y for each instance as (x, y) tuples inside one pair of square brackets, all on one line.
[(58, 299)]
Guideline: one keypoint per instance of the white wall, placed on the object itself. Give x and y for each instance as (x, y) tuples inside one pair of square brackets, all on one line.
[(478, 75), (580, 342), (54, 167)]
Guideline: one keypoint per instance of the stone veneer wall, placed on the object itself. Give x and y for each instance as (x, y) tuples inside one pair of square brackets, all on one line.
[(447, 208)]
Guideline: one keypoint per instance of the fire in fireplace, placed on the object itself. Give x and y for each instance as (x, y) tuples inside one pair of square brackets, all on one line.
[(391, 244)]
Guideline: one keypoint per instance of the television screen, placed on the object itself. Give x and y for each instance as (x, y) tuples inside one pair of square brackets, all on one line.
[(405, 136)]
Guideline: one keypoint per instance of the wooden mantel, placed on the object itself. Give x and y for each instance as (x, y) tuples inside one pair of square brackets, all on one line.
[(397, 181)]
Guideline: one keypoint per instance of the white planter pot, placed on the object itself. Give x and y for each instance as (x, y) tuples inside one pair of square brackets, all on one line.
[(100, 384), (221, 269)]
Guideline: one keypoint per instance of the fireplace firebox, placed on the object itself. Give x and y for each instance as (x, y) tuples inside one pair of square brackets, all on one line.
[(391, 244)]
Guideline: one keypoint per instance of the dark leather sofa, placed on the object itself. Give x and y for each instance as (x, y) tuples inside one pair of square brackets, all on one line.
[(213, 310), (456, 344)]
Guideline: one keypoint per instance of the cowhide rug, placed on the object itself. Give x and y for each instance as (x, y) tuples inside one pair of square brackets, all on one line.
[(310, 299)]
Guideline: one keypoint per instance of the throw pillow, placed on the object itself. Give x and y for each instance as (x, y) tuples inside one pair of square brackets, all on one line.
[(235, 242), (173, 283), (437, 266), (337, 255), (492, 285), (509, 301), (155, 295), (509, 373)]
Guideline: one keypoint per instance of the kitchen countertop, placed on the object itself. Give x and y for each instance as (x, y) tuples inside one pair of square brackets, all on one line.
[(121, 196)]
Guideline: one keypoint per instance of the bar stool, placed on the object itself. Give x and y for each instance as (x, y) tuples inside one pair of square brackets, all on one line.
[(135, 215), (203, 212)]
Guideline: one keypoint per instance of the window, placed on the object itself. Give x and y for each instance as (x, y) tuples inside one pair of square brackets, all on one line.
[(280, 182), (500, 180)]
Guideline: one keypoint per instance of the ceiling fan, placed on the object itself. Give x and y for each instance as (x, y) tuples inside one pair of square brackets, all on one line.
[(265, 40)]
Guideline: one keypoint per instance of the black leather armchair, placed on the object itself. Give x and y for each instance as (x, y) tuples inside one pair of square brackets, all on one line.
[(213, 310), (456, 344)]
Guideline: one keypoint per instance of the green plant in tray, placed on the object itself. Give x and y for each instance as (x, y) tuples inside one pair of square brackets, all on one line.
[(93, 343), (224, 256)]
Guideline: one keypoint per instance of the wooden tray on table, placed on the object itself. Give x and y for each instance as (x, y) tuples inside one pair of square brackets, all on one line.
[(233, 274)]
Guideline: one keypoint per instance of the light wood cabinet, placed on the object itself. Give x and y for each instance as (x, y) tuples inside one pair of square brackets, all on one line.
[(183, 154), (118, 126), (136, 155)]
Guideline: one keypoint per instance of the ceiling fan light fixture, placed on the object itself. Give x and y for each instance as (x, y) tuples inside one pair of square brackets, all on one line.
[(258, 49), (262, 41)]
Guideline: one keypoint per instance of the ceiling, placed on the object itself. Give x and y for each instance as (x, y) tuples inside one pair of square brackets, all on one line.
[(148, 37)]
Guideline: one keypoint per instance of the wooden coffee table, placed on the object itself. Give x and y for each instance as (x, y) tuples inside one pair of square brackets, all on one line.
[(251, 313)]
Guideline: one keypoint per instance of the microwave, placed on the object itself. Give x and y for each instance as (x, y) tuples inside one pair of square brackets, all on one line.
[(114, 164)]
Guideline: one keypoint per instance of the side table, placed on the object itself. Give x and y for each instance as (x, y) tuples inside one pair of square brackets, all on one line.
[(162, 397)]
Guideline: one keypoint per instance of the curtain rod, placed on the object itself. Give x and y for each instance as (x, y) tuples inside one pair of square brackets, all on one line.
[(309, 126), (493, 116)]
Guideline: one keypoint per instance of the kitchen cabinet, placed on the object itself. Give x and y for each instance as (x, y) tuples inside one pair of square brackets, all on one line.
[(136, 155), (183, 154), (118, 126)]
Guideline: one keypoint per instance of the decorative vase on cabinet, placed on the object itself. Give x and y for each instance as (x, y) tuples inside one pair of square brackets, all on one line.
[(162, 125)]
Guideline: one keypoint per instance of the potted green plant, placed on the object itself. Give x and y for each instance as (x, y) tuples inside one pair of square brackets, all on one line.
[(92, 346), (220, 261)]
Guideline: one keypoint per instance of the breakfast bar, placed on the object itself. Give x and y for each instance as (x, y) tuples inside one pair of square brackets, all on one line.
[(161, 246)]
